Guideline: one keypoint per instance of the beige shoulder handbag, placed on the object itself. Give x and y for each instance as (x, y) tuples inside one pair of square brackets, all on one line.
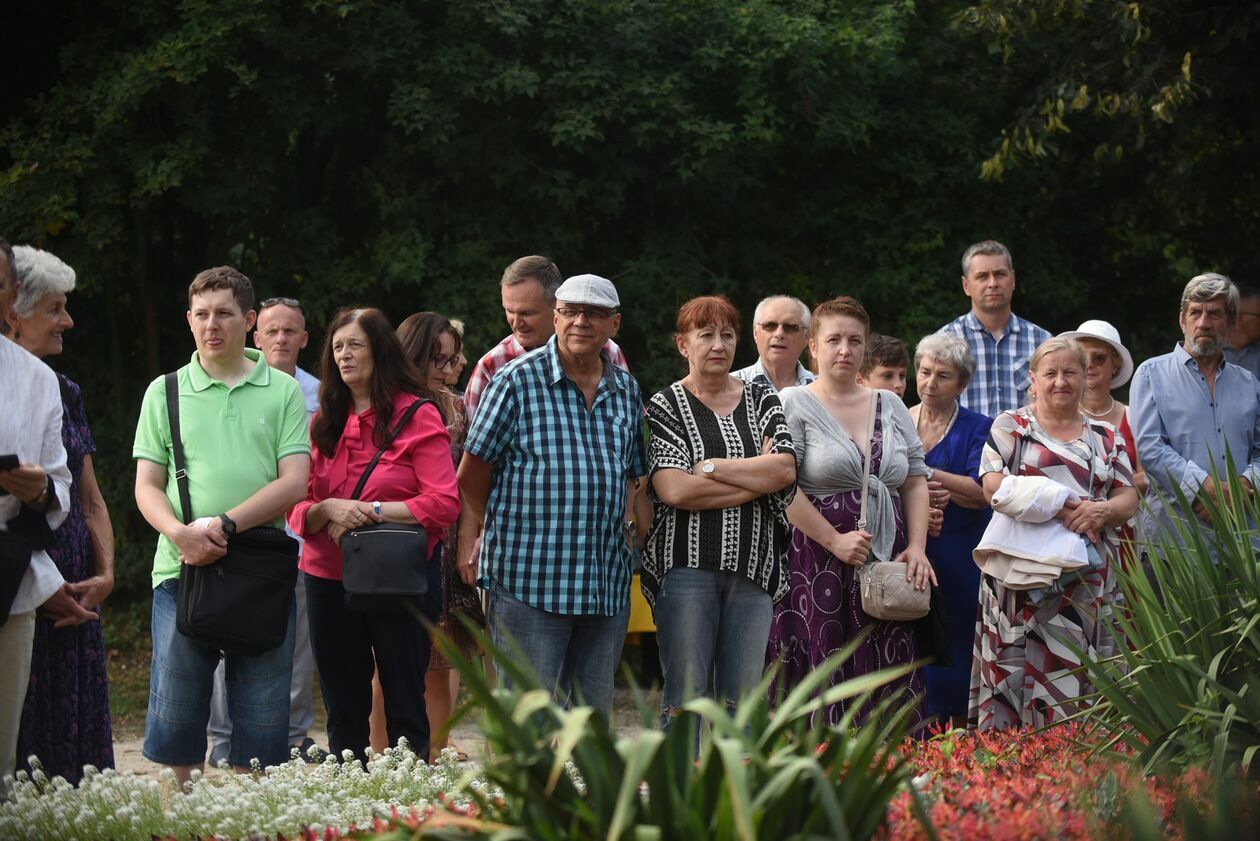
[(886, 594)]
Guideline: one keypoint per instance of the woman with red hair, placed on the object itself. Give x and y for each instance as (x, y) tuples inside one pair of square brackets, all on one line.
[(722, 470)]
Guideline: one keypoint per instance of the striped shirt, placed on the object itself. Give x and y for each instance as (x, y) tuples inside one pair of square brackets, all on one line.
[(750, 539), (1001, 381), (553, 535), (503, 353)]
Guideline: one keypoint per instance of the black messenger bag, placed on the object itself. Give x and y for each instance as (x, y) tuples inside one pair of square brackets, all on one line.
[(240, 603)]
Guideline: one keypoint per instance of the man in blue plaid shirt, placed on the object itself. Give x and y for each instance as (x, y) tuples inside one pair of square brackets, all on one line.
[(1001, 342), (551, 464)]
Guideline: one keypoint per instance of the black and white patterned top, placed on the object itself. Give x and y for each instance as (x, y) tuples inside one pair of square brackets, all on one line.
[(750, 539)]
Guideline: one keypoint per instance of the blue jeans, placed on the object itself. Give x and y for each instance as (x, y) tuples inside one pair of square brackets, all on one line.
[(712, 629), (575, 655), (301, 690), (180, 680)]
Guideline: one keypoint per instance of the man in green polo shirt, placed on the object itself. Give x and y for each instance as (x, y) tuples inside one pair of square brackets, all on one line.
[(247, 453)]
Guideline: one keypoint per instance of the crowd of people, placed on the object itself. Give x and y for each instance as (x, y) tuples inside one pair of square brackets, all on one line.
[(750, 502)]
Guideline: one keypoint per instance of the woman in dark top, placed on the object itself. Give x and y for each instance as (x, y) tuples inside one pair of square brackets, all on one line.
[(953, 438), (65, 719), (722, 472)]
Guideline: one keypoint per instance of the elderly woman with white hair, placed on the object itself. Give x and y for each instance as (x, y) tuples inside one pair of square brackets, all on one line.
[(953, 437), (1033, 632), (65, 719)]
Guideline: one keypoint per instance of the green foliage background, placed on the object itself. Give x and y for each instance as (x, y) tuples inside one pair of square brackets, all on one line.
[(401, 153)]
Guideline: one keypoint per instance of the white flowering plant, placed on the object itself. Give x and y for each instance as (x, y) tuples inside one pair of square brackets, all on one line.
[(294, 800)]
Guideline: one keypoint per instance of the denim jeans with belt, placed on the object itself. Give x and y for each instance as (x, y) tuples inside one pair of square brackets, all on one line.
[(712, 628)]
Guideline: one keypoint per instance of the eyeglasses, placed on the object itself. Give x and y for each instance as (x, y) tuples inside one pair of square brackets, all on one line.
[(443, 361), (1248, 312), (591, 313), (789, 327), (285, 301)]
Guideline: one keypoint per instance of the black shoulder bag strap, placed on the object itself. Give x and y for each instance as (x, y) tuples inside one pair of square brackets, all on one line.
[(177, 445), (367, 471)]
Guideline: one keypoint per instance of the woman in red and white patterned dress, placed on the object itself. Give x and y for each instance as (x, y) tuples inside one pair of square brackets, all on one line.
[(1026, 664)]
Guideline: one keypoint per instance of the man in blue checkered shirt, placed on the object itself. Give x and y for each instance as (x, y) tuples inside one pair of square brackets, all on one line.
[(1001, 342), (551, 464)]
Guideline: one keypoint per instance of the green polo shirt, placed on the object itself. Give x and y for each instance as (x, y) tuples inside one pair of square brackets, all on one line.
[(233, 439)]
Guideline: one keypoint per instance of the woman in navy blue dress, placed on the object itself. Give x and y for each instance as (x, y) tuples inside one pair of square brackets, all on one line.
[(953, 438), (65, 718)]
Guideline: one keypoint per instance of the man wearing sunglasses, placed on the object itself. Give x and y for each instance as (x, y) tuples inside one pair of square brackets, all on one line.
[(781, 331), (280, 333)]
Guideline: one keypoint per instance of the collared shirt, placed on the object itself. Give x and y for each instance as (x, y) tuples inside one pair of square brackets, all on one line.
[(1001, 381), (1183, 431), (310, 390), (415, 470), (1247, 356), (234, 439), (757, 372), (503, 353), (553, 536), (30, 428)]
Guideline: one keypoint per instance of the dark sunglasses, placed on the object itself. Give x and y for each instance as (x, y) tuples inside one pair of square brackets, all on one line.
[(285, 301), (789, 327)]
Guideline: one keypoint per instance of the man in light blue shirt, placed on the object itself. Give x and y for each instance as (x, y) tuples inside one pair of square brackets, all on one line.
[(1194, 413), (280, 333)]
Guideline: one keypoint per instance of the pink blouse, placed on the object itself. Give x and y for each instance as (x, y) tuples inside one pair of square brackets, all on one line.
[(415, 470)]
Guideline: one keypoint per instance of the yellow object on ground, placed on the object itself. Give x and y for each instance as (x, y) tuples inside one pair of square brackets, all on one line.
[(640, 613)]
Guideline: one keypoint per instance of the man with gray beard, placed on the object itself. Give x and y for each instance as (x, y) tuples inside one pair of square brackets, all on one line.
[(1196, 417)]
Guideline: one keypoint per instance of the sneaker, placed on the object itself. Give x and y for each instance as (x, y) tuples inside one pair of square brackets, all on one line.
[(310, 752)]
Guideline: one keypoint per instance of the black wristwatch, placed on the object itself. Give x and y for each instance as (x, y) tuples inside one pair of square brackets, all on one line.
[(229, 525)]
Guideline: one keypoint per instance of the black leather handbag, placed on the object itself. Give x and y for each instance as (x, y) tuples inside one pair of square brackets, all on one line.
[(240, 603), (384, 566)]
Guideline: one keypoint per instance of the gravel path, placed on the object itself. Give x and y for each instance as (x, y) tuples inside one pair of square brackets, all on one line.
[(128, 756)]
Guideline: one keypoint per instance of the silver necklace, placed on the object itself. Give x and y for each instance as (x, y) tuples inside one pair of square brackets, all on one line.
[(1102, 414)]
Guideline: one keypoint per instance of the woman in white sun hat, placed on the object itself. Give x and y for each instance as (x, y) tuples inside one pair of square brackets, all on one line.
[(1109, 366)]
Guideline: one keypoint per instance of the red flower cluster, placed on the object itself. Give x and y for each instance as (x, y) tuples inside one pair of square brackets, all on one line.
[(1020, 784)]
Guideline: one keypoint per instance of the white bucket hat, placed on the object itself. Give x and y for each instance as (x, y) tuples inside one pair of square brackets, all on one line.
[(1103, 331)]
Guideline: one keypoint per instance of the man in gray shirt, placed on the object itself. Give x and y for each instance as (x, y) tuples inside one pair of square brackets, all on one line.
[(1242, 346)]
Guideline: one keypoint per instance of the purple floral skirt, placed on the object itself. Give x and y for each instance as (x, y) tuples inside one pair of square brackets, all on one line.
[(823, 612)]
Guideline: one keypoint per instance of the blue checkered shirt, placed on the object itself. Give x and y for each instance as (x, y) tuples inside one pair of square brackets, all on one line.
[(553, 536), (1001, 381)]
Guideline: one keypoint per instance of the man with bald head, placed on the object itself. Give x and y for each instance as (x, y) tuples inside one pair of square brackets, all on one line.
[(280, 333)]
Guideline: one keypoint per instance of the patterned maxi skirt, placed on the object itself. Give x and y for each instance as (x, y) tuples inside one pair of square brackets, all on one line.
[(1026, 667), (823, 612)]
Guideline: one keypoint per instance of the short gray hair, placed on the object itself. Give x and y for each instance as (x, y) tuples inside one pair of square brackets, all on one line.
[(953, 350), (41, 274), (1211, 285), (772, 298), (988, 246)]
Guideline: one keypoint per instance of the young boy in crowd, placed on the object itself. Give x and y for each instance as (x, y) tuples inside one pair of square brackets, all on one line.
[(885, 365)]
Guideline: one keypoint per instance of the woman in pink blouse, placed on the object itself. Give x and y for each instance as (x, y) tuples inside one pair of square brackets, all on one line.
[(367, 383)]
